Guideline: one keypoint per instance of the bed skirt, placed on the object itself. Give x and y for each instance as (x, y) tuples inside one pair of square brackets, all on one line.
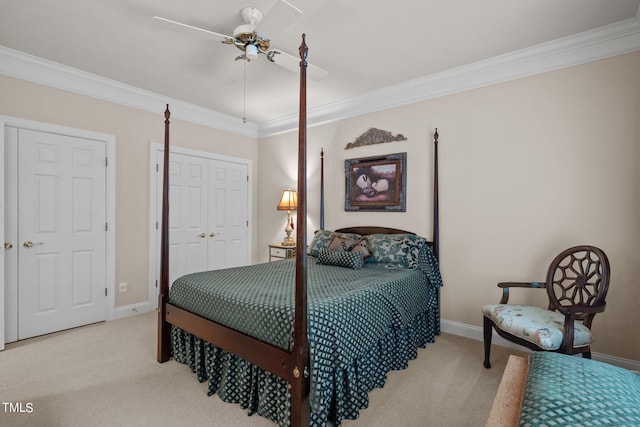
[(337, 392)]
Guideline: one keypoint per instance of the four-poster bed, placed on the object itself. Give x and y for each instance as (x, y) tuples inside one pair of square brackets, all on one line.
[(311, 356)]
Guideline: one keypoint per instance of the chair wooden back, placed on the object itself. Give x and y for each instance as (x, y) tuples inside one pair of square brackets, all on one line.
[(578, 277)]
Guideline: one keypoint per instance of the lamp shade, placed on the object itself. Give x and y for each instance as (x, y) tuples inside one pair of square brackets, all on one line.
[(288, 201)]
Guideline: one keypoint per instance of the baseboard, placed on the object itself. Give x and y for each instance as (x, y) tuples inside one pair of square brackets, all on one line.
[(632, 365), (475, 333), (132, 310)]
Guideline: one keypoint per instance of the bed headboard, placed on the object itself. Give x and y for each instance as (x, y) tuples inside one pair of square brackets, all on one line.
[(364, 230)]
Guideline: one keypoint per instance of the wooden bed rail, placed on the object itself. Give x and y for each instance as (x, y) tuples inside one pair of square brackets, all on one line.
[(259, 353)]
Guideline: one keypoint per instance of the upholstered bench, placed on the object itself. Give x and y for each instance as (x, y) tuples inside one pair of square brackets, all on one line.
[(563, 390)]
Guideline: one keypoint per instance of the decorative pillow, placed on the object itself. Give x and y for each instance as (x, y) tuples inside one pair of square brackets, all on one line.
[(400, 250), (322, 238), (341, 243), (362, 246), (566, 390), (341, 258)]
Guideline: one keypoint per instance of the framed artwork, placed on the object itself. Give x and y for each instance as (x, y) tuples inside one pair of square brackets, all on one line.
[(376, 183)]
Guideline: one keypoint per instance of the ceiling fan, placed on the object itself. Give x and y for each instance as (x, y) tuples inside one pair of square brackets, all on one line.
[(251, 42)]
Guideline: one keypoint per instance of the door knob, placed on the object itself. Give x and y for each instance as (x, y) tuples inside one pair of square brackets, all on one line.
[(8, 245), (203, 235), (212, 234), (30, 244)]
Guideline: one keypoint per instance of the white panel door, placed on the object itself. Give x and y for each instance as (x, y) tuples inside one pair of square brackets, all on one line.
[(2, 240), (61, 232), (228, 215), (11, 233), (188, 214)]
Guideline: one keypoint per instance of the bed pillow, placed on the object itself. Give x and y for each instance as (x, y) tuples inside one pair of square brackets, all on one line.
[(347, 259), (362, 246), (322, 238), (400, 250)]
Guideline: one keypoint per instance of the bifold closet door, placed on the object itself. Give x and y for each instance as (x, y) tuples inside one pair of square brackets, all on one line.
[(228, 215), (208, 214), (188, 231)]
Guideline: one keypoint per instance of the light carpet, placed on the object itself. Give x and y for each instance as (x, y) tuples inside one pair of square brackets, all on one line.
[(106, 374)]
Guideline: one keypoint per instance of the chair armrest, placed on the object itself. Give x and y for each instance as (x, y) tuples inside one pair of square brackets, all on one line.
[(535, 285), (570, 316), (506, 285)]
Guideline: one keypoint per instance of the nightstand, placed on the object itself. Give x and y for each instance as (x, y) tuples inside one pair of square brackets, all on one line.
[(278, 252)]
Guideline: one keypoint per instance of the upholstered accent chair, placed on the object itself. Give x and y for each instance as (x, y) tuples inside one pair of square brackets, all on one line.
[(577, 284)]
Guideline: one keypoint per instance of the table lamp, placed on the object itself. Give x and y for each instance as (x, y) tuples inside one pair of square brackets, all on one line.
[(288, 202)]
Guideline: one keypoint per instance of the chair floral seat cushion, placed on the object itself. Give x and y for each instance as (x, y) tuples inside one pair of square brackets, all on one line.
[(537, 325)]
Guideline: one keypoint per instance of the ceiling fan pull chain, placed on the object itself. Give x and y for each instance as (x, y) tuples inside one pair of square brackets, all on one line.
[(244, 91)]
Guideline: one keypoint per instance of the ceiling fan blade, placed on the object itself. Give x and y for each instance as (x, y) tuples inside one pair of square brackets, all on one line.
[(292, 63), (292, 6), (277, 19), (195, 30)]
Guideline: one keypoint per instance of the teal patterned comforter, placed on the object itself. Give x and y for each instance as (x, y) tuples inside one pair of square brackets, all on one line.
[(361, 324)]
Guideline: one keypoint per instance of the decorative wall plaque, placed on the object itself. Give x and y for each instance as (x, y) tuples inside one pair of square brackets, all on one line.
[(374, 136)]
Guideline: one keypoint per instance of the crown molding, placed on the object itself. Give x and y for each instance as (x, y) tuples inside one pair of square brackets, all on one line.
[(600, 43), (607, 41), (32, 68)]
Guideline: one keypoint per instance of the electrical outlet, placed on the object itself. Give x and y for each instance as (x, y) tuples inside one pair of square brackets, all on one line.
[(122, 287)]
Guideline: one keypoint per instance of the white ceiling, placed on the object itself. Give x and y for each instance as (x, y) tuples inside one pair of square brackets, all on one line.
[(365, 46)]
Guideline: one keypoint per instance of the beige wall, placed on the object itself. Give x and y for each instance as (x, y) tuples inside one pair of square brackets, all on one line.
[(528, 168), (134, 130)]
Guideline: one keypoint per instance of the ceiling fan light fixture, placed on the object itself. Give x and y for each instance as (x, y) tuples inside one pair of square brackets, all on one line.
[(251, 51)]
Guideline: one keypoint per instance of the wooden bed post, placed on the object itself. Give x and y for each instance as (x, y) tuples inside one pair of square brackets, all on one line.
[(436, 210), (322, 189), (164, 349), (300, 405)]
